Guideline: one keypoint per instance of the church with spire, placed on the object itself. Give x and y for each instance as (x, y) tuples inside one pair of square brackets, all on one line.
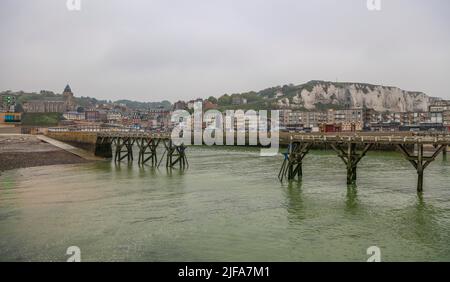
[(69, 100), (52, 105)]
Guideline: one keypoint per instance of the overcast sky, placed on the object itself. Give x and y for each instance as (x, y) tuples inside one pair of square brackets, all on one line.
[(151, 50)]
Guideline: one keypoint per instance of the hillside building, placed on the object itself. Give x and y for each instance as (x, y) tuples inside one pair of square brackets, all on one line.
[(57, 105)]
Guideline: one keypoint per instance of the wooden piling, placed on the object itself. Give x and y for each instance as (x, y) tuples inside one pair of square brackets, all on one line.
[(351, 166), (175, 154), (420, 167), (351, 158), (147, 150), (292, 164), (419, 161)]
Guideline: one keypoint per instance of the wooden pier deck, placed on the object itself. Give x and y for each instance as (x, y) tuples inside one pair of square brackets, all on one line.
[(346, 146)]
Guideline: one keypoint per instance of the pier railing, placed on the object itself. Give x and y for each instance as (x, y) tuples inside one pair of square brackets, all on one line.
[(371, 139), (433, 138), (93, 128)]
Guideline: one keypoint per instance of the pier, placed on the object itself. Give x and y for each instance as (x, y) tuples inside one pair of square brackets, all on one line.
[(147, 143), (346, 148), (350, 148), (103, 141)]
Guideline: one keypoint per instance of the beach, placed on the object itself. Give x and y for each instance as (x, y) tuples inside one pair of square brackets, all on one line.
[(20, 151)]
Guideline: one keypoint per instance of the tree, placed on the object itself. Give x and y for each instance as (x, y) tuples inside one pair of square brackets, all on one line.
[(224, 100), (212, 99)]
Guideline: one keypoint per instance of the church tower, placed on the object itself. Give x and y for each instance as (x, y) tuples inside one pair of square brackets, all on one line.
[(69, 100)]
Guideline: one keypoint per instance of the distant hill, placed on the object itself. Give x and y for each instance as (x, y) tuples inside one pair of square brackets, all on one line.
[(145, 105), (313, 95), (85, 102), (322, 95)]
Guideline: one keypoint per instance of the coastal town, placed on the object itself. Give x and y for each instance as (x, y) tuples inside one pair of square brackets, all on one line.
[(224, 139), (47, 109)]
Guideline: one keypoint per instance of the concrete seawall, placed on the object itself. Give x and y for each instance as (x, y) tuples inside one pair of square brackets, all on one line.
[(84, 140)]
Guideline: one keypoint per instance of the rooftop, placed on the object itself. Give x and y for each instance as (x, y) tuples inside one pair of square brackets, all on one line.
[(67, 89)]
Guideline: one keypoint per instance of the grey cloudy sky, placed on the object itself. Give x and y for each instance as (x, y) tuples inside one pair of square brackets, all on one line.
[(151, 50)]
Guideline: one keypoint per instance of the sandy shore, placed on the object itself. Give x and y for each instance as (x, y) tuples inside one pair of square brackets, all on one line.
[(19, 151)]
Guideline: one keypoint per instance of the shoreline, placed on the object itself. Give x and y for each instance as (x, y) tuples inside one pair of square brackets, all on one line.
[(22, 151)]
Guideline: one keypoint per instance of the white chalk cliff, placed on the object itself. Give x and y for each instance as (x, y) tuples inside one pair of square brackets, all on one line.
[(380, 98)]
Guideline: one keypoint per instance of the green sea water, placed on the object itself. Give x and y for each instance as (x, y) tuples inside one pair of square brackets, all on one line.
[(227, 206)]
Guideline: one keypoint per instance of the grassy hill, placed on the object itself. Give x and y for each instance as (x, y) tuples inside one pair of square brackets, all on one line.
[(41, 119)]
